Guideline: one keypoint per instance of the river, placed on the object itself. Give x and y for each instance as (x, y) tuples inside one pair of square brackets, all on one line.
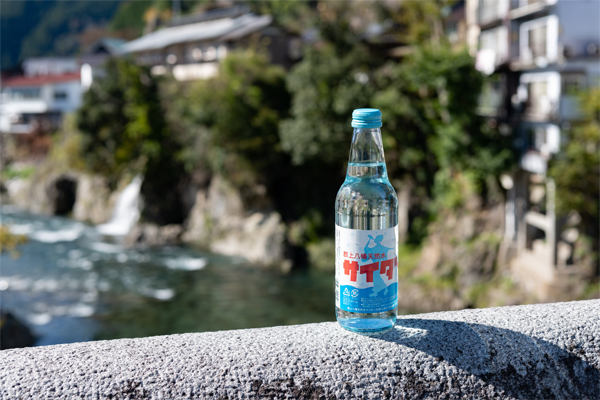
[(71, 284)]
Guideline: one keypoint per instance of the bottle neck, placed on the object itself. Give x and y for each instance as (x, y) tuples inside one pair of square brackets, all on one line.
[(366, 154)]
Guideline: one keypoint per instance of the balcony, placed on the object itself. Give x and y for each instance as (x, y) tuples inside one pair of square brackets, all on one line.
[(532, 161), (538, 43), (539, 94), (523, 8), (493, 45), (491, 11)]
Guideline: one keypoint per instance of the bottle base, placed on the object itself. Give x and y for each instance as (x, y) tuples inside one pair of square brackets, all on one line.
[(367, 326)]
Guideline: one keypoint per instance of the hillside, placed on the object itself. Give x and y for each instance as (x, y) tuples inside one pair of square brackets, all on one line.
[(35, 28)]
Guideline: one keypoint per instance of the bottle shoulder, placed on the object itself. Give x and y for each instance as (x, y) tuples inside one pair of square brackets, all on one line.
[(373, 191)]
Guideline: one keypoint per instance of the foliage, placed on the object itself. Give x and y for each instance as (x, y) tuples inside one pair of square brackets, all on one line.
[(228, 124), (418, 22), (129, 16), (432, 137), (133, 16), (124, 132), (9, 241), (242, 106), (17, 20), (327, 85), (11, 172), (292, 14), (58, 30), (121, 120), (325, 93), (321, 254), (430, 126), (65, 153), (576, 171)]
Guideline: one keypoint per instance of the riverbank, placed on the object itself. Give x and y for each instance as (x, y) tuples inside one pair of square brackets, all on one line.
[(71, 284)]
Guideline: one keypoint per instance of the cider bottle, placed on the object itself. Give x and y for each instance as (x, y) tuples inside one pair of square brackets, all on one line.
[(366, 234)]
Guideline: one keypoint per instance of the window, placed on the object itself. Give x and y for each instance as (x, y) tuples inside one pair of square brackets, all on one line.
[(210, 54), (539, 41), (537, 98), (540, 92), (525, 3), (544, 138), (60, 95), (495, 41), (490, 99), (26, 93), (492, 10), (222, 51), (573, 82), (150, 58), (197, 54), (171, 59)]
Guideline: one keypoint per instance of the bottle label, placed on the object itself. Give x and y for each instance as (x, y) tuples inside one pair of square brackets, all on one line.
[(366, 269)]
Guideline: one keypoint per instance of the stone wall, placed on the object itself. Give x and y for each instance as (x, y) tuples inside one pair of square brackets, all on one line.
[(87, 199), (521, 352), (220, 222)]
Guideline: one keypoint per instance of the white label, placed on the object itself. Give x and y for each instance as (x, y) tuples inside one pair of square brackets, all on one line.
[(366, 269)]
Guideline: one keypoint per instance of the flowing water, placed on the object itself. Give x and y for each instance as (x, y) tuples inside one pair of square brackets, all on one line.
[(71, 283), (126, 211)]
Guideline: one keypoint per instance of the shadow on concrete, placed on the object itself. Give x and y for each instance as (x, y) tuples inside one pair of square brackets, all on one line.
[(521, 366)]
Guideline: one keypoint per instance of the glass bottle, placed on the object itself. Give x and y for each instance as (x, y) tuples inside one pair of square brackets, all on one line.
[(366, 270)]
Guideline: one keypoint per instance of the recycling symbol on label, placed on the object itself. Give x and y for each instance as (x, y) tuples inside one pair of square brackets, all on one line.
[(346, 292)]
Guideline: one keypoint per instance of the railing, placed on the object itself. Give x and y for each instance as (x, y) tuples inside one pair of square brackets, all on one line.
[(526, 352)]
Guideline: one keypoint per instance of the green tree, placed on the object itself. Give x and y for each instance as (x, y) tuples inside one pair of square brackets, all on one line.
[(58, 30), (433, 139), (124, 132), (332, 79), (576, 169), (18, 19), (431, 129), (326, 86), (238, 110), (121, 120)]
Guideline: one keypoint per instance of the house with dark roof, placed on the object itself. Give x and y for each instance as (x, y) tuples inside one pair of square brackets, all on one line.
[(191, 47)]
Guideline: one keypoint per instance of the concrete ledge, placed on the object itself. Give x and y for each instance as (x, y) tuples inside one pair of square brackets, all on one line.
[(524, 352)]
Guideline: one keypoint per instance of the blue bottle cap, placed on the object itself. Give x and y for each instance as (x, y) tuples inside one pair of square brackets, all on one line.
[(366, 118)]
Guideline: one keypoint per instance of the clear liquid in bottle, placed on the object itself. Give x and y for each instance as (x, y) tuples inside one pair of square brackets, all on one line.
[(366, 234)]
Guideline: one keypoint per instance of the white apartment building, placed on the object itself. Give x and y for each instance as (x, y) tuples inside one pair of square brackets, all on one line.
[(539, 53)]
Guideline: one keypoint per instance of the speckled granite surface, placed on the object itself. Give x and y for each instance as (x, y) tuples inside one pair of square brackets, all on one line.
[(524, 352)]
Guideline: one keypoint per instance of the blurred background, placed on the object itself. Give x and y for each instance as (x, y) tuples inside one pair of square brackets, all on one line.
[(171, 166)]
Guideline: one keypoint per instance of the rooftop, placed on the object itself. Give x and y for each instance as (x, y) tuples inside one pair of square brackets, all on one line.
[(112, 46), (221, 29), (24, 81)]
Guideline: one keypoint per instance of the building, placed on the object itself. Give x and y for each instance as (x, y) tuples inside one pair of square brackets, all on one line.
[(93, 59), (192, 46), (37, 99), (538, 53), (50, 87)]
